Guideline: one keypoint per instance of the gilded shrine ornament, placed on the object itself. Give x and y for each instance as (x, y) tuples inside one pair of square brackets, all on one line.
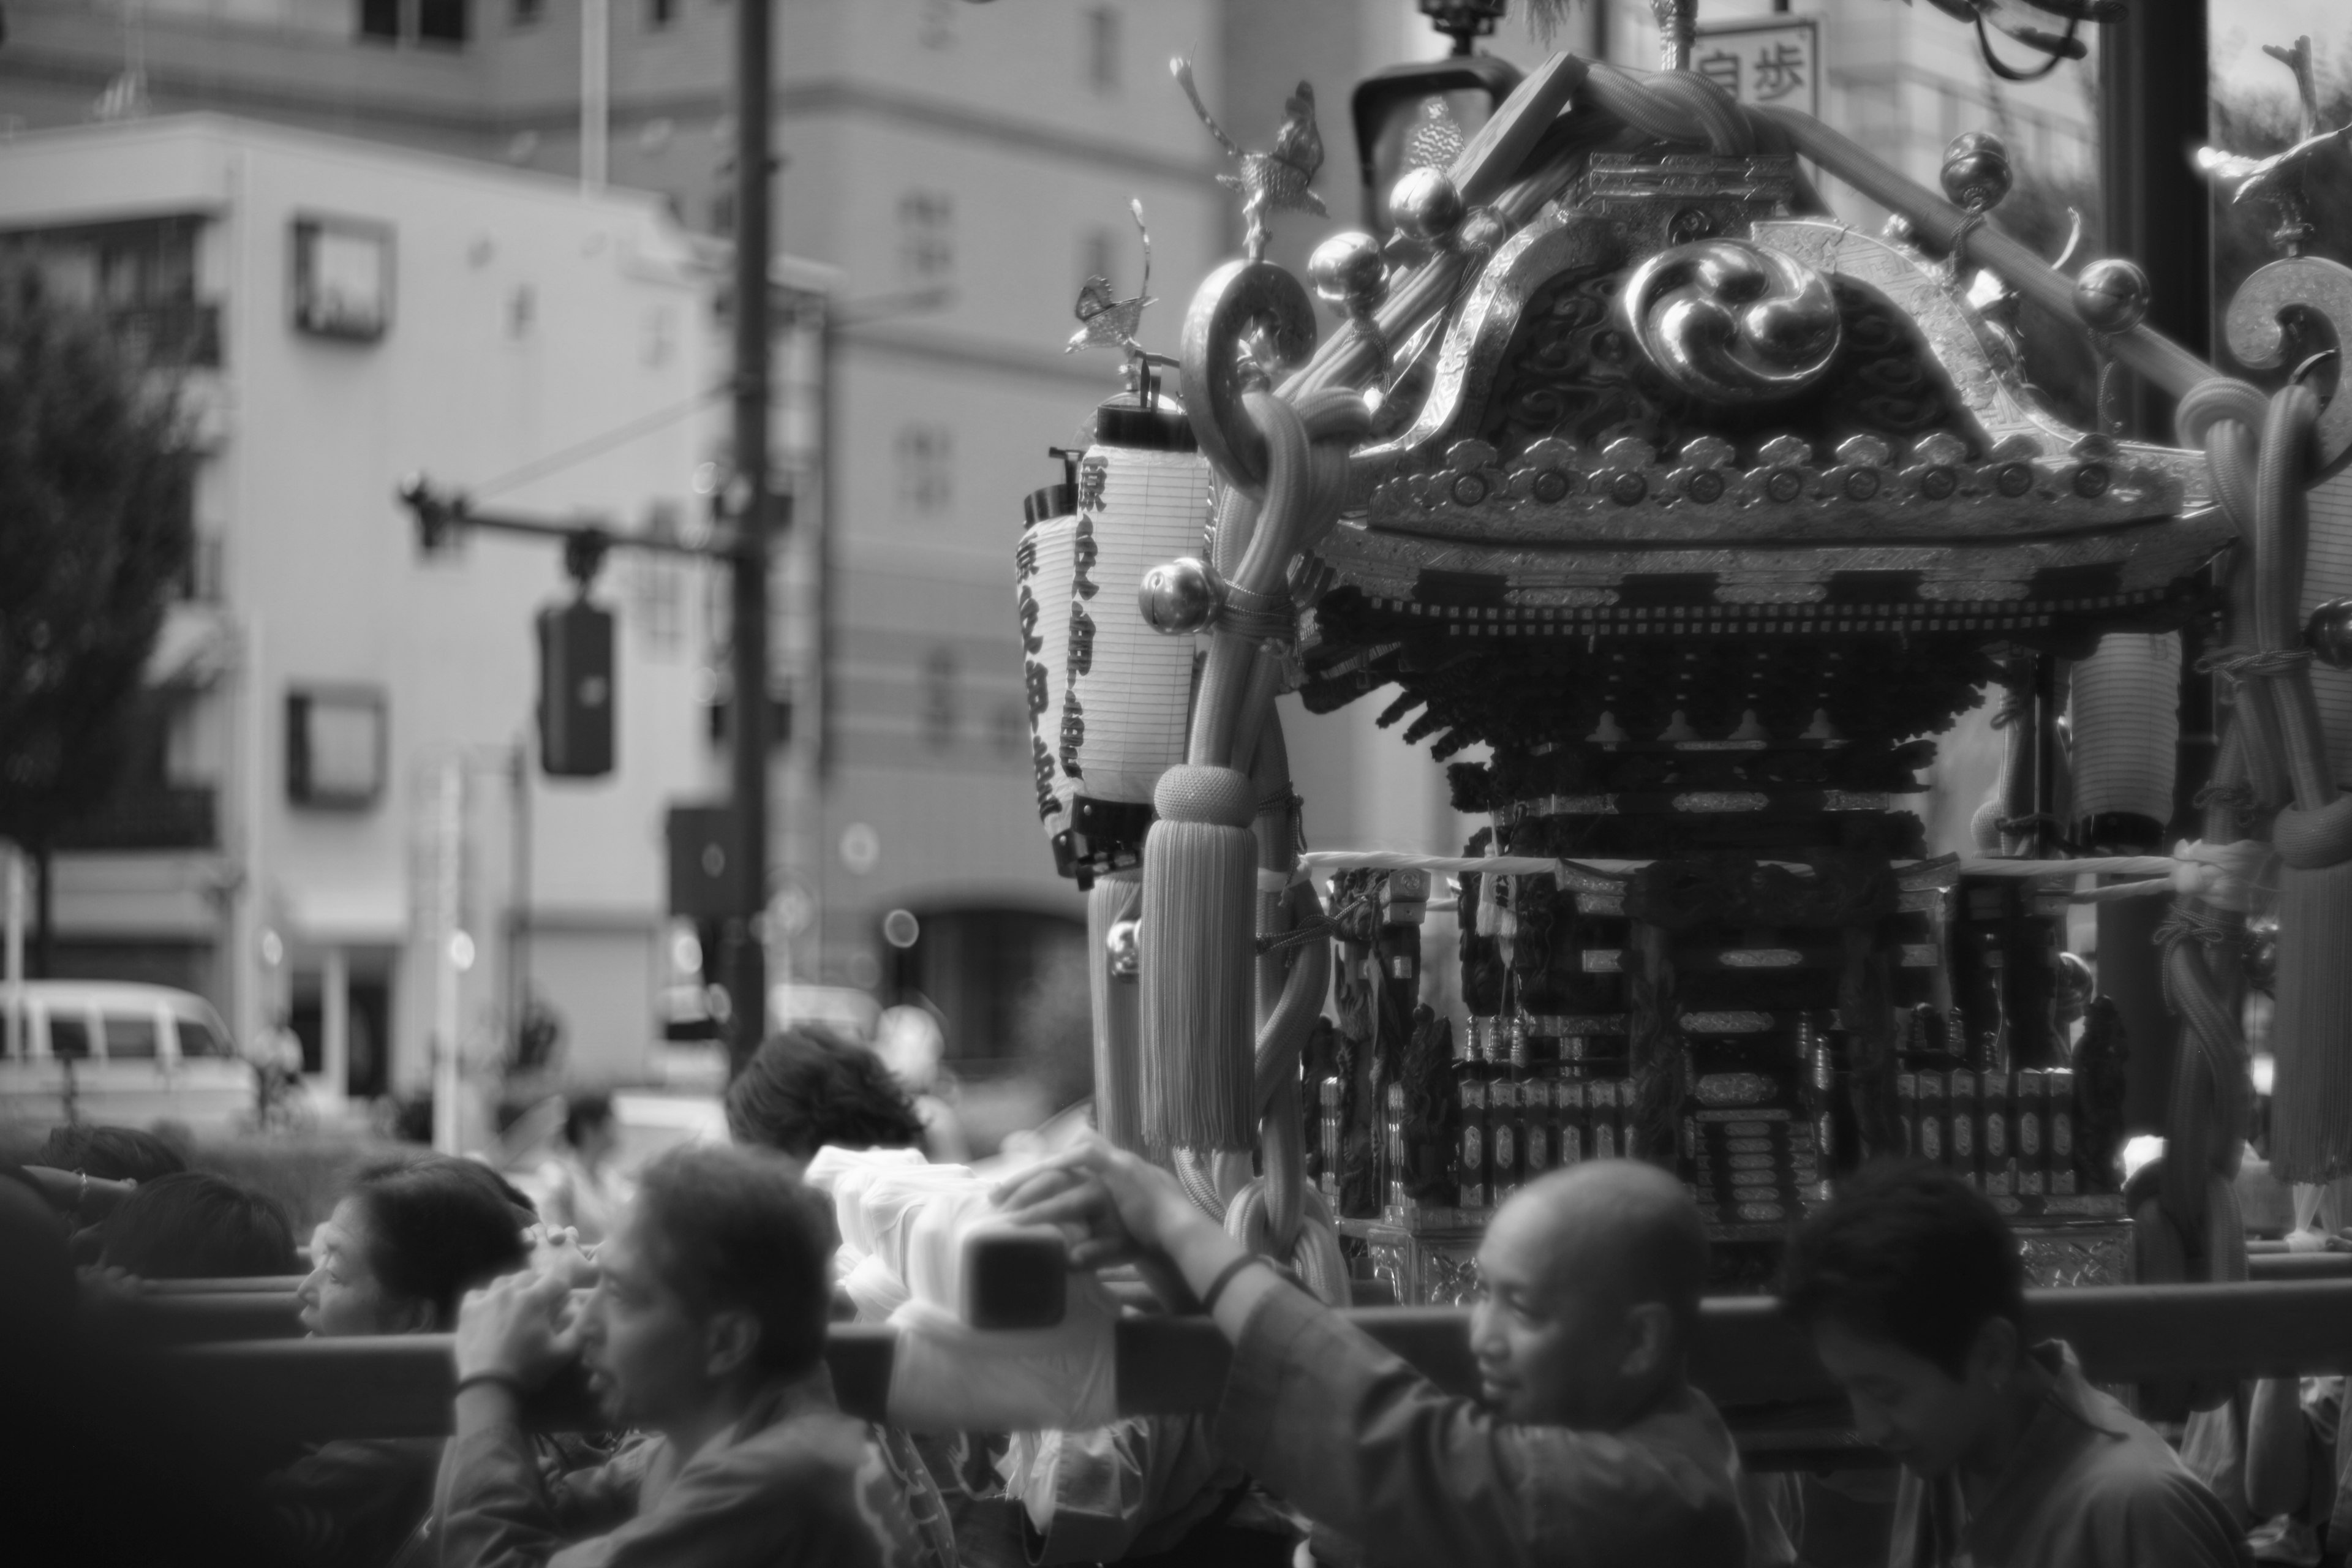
[(1271, 181)]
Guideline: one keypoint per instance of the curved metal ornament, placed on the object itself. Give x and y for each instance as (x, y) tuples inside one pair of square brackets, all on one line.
[(1247, 320), (1990, 390), (2256, 325), (1732, 322)]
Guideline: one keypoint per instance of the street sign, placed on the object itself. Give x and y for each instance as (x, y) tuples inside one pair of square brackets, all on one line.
[(1766, 61)]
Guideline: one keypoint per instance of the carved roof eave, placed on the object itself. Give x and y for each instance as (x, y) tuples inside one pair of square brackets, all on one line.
[(1470, 357)]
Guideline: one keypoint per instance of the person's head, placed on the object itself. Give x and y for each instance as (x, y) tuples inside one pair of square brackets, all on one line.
[(588, 1125), (910, 1044), (111, 1154), (805, 1089), (1910, 1284), (1591, 1280), (715, 1281), (405, 1243), (192, 1224)]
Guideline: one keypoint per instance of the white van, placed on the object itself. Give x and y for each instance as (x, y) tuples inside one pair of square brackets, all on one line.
[(123, 1053)]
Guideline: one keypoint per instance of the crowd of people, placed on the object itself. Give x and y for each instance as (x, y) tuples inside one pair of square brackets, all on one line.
[(699, 1312)]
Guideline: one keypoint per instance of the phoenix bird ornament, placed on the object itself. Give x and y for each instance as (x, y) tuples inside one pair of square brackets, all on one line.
[(2278, 180), (1273, 181), (1106, 321)]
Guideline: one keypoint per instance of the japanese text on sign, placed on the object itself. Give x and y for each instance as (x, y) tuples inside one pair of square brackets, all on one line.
[(1765, 62)]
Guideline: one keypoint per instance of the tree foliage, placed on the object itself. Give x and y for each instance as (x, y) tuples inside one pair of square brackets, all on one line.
[(93, 538)]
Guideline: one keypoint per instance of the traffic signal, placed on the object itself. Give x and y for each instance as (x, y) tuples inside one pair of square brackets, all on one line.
[(575, 691), (705, 877)]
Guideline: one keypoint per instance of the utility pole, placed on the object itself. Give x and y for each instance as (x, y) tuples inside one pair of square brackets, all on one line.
[(449, 895), (2157, 212), (745, 957)]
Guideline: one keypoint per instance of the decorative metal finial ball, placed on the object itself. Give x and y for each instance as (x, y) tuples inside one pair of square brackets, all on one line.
[(1348, 273), (1427, 206), (2328, 633), (1976, 172), (1179, 596), (1125, 943), (2111, 295)]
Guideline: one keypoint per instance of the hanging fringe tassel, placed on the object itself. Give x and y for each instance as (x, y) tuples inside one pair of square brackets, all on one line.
[(1119, 1050), (1199, 880)]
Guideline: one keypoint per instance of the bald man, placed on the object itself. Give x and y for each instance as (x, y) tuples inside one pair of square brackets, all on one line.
[(1587, 1447)]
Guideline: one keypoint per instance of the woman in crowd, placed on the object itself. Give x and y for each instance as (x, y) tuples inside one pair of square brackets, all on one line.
[(404, 1245), (192, 1224), (583, 1190), (805, 1089), (109, 1153)]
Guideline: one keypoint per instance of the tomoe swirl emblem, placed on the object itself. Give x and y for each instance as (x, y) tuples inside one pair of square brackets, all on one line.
[(1732, 322)]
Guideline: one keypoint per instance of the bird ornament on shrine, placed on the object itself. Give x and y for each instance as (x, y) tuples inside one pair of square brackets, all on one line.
[(1272, 182), (2279, 179), (1106, 321)]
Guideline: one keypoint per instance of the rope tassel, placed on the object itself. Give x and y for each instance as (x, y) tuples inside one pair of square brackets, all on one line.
[(1200, 957)]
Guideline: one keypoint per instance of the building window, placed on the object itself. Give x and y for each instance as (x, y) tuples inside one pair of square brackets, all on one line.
[(421, 21), (939, 698), (657, 582), (335, 746), (527, 12), (441, 21), (660, 13), (141, 275), (342, 277), (1012, 730), (926, 467), (939, 23), (1102, 50), (926, 236)]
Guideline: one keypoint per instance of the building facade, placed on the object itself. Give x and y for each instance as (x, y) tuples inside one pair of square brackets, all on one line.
[(341, 822), (956, 170)]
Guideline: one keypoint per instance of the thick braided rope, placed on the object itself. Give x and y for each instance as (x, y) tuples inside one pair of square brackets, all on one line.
[(2205, 1119), (2221, 415), (1673, 106)]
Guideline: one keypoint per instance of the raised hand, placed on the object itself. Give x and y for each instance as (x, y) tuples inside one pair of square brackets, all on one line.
[(1113, 1207), (519, 1329)]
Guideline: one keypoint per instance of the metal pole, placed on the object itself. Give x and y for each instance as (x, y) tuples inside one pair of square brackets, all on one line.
[(2156, 211), (518, 916), (12, 893), (747, 969), (448, 847), (596, 92)]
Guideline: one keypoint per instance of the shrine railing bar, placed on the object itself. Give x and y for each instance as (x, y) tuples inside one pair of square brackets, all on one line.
[(1749, 1357)]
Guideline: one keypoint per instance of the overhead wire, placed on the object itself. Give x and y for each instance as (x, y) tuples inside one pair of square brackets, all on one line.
[(596, 446)]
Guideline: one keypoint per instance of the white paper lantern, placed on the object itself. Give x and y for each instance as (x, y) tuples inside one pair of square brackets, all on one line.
[(2328, 575), (2126, 726), (1128, 704), (1044, 566)]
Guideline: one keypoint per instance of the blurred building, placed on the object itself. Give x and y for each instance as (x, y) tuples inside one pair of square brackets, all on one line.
[(340, 314), (960, 169)]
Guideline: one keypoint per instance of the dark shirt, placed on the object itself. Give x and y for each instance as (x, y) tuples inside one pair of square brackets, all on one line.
[(354, 1504), (1362, 1442), (2089, 1486), (794, 1483)]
